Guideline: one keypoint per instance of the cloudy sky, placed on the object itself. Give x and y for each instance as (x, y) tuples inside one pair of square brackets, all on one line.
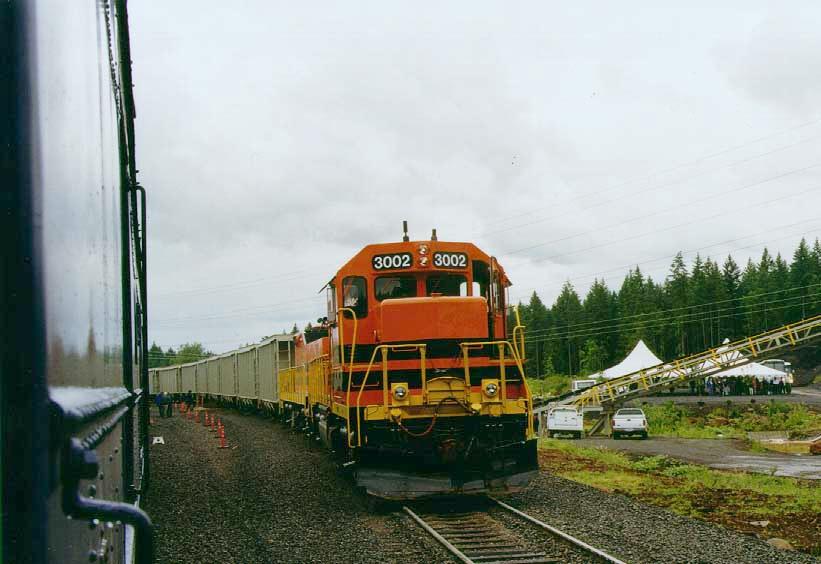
[(572, 140)]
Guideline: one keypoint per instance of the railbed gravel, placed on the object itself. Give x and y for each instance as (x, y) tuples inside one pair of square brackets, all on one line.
[(273, 498), (636, 532)]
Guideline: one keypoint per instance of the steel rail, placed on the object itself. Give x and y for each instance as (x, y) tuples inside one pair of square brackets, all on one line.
[(452, 549), (513, 555), (571, 539)]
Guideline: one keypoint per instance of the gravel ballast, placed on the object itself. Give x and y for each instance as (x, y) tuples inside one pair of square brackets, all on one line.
[(272, 498), (636, 532)]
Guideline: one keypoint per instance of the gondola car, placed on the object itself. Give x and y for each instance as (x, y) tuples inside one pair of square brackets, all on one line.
[(73, 364)]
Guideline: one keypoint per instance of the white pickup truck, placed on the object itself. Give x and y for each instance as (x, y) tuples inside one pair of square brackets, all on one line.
[(565, 420), (629, 421)]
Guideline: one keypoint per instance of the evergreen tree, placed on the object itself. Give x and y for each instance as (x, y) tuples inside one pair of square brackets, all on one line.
[(732, 322), (156, 356), (697, 317), (780, 293), (567, 316), (748, 289), (599, 314), (536, 317), (591, 358), (677, 289)]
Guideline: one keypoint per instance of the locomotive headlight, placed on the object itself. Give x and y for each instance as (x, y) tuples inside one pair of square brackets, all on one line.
[(491, 389), (400, 392)]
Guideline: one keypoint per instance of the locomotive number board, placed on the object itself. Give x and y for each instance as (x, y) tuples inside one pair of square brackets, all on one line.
[(450, 260), (392, 262)]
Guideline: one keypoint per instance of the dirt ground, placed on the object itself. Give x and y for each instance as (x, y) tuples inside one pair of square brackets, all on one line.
[(717, 453)]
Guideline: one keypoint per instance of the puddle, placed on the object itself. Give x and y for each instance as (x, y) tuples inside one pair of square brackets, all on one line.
[(808, 468)]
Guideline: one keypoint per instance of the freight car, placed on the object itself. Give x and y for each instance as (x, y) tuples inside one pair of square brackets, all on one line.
[(73, 364), (417, 384), (247, 376)]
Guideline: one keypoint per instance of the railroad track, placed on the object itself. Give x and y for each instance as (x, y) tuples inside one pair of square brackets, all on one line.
[(470, 532)]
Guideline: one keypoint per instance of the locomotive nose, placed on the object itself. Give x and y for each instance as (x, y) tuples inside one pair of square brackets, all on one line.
[(441, 317)]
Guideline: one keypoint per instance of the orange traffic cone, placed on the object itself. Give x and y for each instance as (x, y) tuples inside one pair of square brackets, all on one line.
[(213, 424), (223, 444), (207, 420), (190, 414), (197, 418)]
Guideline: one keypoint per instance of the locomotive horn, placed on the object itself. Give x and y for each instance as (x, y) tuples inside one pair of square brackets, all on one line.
[(405, 237), (433, 235)]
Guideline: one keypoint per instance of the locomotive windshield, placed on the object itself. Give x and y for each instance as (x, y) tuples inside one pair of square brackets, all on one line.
[(392, 287), (447, 285)]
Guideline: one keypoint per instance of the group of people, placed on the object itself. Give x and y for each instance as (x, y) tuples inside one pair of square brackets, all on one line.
[(740, 386), (165, 402)]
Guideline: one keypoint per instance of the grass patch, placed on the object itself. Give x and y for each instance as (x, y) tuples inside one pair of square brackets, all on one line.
[(611, 480), (733, 499), (549, 386), (731, 421)]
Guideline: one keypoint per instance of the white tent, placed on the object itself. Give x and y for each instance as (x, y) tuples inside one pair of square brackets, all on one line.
[(752, 369), (639, 358)]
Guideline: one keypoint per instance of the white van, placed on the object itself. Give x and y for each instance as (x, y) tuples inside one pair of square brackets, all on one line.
[(565, 420)]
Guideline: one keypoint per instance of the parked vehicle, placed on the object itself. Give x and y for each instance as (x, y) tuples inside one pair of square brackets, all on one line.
[(565, 420), (629, 421)]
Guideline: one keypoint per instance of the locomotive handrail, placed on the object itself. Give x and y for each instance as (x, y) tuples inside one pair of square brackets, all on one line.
[(521, 329), (501, 344), (342, 358), (342, 339), (384, 348)]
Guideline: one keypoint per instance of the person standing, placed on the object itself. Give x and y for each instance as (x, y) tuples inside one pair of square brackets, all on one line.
[(169, 407), (160, 401)]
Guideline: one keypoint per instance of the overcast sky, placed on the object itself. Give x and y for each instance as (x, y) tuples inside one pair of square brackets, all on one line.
[(571, 140)]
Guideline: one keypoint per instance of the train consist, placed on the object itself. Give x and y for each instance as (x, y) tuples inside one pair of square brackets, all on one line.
[(415, 379)]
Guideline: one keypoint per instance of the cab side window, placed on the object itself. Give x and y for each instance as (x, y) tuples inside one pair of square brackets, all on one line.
[(481, 279), (355, 296)]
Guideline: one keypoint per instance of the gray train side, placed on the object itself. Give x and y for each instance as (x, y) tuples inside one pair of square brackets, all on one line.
[(72, 288), (246, 376)]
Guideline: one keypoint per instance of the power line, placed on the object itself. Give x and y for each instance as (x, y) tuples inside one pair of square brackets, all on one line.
[(620, 318), (669, 228), (594, 275), (668, 170), (664, 323), (665, 210)]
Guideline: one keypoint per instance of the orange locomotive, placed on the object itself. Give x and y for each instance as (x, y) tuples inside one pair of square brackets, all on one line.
[(417, 382)]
